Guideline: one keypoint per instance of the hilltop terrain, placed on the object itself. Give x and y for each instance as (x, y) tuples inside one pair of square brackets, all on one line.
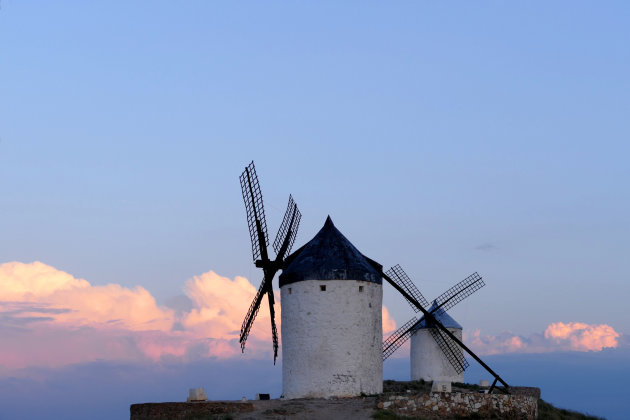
[(360, 408)]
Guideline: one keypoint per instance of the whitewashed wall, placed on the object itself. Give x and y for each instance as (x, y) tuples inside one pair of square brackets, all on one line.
[(331, 340), (428, 362)]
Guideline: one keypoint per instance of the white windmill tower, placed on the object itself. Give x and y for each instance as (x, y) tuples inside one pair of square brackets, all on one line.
[(331, 305), (428, 361), (331, 319)]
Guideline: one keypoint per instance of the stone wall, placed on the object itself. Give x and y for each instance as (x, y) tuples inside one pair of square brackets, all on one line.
[(436, 405)]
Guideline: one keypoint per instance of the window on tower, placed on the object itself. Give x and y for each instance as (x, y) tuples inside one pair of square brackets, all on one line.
[(322, 288), (360, 288)]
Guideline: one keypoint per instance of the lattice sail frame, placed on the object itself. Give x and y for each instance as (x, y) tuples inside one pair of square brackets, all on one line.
[(252, 196), (398, 338), (254, 307), (290, 223), (451, 350), (398, 275), (459, 292)]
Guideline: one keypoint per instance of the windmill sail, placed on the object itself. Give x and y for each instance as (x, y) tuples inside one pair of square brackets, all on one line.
[(459, 292), (252, 196), (401, 278), (451, 350), (257, 224), (251, 314), (398, 338), (288, 229)]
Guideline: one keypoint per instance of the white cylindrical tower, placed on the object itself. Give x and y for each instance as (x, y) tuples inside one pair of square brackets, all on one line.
[(331, 297), (428, 361)]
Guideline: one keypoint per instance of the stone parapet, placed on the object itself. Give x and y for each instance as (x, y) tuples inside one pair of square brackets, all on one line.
[(436, 405)]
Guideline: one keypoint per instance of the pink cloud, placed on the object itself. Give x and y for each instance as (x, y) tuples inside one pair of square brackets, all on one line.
[(76, 302), (558, 336), (389, 325), (50, 318), (582, 337)]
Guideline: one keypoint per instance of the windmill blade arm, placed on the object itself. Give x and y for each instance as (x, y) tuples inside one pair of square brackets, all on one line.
[(288, 230), (451, 350), (398, 338), (256, 222), (274, 330), (398, 275), (459, 292), (472, 354), (251, 314)]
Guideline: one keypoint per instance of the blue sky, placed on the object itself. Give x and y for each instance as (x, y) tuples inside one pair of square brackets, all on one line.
[(446, 137)]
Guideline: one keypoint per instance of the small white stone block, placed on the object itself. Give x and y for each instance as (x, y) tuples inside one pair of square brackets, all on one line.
[(484, 383), (196, 394), (441, 386)]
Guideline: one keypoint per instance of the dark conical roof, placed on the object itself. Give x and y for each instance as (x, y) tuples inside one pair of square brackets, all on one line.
[(329, 256), (441, 316)]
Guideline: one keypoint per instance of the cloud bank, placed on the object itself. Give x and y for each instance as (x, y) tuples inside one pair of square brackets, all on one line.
[(50, 318), (558, 336)]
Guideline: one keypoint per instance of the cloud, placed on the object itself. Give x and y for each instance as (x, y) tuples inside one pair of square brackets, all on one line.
[(582, 337), (219, 304), (50, 318), (389, 325), (22, 281), (487, 246), (558, 336), (39, 288)]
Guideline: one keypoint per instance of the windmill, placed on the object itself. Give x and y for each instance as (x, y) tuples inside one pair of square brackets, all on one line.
[(440, 305), (332, 298), (252, 196), (451, 346)]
